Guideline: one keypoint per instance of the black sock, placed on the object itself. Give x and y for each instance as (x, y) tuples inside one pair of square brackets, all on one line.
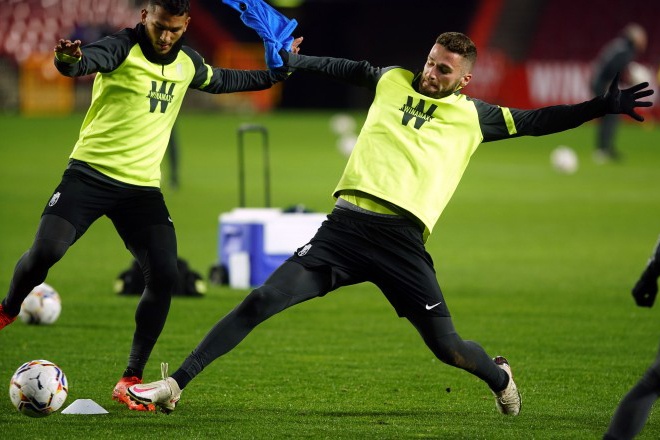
[(182, 378), (131, 372)]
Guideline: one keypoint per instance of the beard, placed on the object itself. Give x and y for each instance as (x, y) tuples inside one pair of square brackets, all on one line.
[(435, 90)]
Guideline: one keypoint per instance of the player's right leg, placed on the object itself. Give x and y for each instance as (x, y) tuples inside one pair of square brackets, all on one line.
[(74, 205), (53, 238), (290, 284)]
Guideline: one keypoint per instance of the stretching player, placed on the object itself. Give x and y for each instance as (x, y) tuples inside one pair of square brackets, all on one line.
[(416, 142), (142, 75)]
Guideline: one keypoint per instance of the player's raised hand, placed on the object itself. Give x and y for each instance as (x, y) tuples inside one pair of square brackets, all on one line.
[(625, 101), (645, 291), (295, 46), (68, 47)]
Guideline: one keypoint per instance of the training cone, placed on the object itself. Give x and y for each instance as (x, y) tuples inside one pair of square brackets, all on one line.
[(84, 406)]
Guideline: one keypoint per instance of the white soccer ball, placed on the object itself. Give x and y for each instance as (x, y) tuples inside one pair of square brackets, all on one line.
[(564, 160), (42, 306), (346, 143), (342, 124), (38, 388)]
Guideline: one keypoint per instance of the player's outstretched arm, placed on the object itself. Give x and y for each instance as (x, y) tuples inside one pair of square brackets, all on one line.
[(625, 101), (553, 119)]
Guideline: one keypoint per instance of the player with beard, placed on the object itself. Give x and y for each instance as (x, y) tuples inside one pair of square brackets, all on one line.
[(415, 144)]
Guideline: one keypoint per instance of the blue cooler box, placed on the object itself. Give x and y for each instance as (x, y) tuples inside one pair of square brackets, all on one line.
[(253, 242)]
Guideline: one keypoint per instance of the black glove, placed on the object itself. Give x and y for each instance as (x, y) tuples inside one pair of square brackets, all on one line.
[(625, 101), (646, 288), (645, 291)]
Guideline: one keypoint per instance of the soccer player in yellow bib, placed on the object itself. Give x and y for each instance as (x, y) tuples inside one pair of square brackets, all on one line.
[(415, 144), (142, 75)]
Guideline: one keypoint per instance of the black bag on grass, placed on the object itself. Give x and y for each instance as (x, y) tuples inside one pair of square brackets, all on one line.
[(190, 283)]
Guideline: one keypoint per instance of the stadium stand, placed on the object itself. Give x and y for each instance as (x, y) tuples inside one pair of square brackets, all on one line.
[(574, 30), (34, 26)]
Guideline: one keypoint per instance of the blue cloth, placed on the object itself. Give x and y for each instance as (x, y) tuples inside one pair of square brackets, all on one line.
[(274, 28)]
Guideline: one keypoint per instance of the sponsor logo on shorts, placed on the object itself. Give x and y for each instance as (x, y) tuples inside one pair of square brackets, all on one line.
[(54, 199), (428, 307), (302, 252)]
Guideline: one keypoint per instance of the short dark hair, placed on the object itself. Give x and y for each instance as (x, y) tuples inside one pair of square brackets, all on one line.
[(174, 7), (458, 43)]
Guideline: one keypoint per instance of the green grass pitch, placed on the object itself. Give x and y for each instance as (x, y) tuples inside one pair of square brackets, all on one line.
[(535, 265)]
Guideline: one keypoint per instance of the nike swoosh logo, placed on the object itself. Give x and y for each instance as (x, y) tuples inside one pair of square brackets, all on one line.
[(137, 389), (428, 307)]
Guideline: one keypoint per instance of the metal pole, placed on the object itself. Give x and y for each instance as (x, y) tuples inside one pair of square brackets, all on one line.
[(242, 130)]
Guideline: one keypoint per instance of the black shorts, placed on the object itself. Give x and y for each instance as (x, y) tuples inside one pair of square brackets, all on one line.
[(81, 199), (388, 252)]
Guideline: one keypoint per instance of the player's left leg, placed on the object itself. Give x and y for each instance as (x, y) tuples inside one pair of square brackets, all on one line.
[(442, 339), (144, 223), (404, 272), (155, 250), (156, 254), (633, 410)]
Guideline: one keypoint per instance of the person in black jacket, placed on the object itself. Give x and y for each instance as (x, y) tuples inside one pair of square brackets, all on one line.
[(412, 150), (142, 75), (615, 56)]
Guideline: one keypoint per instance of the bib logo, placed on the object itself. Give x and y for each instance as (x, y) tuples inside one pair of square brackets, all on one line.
[(162, 95), (54, 199), (303, 250), (417, 112)]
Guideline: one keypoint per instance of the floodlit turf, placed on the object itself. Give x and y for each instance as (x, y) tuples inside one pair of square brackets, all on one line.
[(535, 265)]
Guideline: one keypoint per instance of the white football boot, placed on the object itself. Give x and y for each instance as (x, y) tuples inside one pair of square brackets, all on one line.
[(163, 393), (508, 400)]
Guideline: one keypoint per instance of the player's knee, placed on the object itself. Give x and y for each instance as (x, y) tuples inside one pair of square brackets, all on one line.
[(45, 253), (262, 303), (163, 274), (448, 349)]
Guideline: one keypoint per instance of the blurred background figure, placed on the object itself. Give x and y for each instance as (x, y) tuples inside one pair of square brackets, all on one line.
[(614, 58), (633, 410), (173, 159)]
